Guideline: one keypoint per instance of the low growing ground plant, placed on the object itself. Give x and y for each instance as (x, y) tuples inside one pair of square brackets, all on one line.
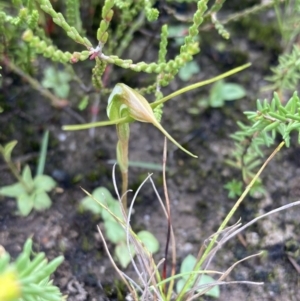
[(30, 192), (28, 276), (265, 124), (104, 206), (219, 93)]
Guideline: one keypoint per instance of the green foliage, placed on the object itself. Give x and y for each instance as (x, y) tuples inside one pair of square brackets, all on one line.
[(266, 123), (28, 277), (101, 203), (235, 188), (58, 80), (219, 93), (25, 20), (30, 192), (288, 20), (73, 14), (187, 71), (83, 103), (286, 74), (186, 267), (33, 195)]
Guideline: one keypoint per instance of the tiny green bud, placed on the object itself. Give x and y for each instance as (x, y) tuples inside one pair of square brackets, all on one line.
[(27, 35), (71, 35), (87, 43), (109, 15), (84, 55), (104, 38), (23, 13)]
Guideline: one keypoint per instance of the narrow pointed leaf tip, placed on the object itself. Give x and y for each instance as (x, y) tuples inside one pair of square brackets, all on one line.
[(139, 109)]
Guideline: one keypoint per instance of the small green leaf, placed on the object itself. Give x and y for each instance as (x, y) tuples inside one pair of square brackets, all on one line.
[(114, 232), (44, 182), (58, 80), (216, 99), (215, 291), (13, 190), (43, 154), (25, 203), (232, 91), (180, 284), (41, 201), (122, 254), (188, 264), (234, 188), (149, 241), (188, 70), (83, 103), (8, 148), (62, 91), (27, 177), (103, 195), (89, 204), (115, 208), (222, 92)]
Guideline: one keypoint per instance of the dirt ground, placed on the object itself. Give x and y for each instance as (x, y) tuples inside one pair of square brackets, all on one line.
[(199, 201)]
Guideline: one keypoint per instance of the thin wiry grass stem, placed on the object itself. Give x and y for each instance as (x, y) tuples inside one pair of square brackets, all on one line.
[(211, 255), (227, 219), (131, 290), (128, 234), (230, 234), (144, 258), (284, 207), (225, 233), (206, 287), (170, 231), (130, 238)]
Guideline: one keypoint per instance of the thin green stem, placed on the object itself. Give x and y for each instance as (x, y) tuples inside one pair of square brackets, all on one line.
[(15, 172), (78, 127), (199, 84), (225, 222)]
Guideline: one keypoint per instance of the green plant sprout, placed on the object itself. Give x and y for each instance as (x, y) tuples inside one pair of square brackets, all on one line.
[(28, 277), (235, 188), (286, 74), (58, 81), (126, 105), (30, 193), (219, 93), (186, 268), (187, 71), (265, 124), (114, 232)]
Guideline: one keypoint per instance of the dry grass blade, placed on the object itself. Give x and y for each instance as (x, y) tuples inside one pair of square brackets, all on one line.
[(120, 273), (206, 287), (144, 264), (234, 233), (228, 234)]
